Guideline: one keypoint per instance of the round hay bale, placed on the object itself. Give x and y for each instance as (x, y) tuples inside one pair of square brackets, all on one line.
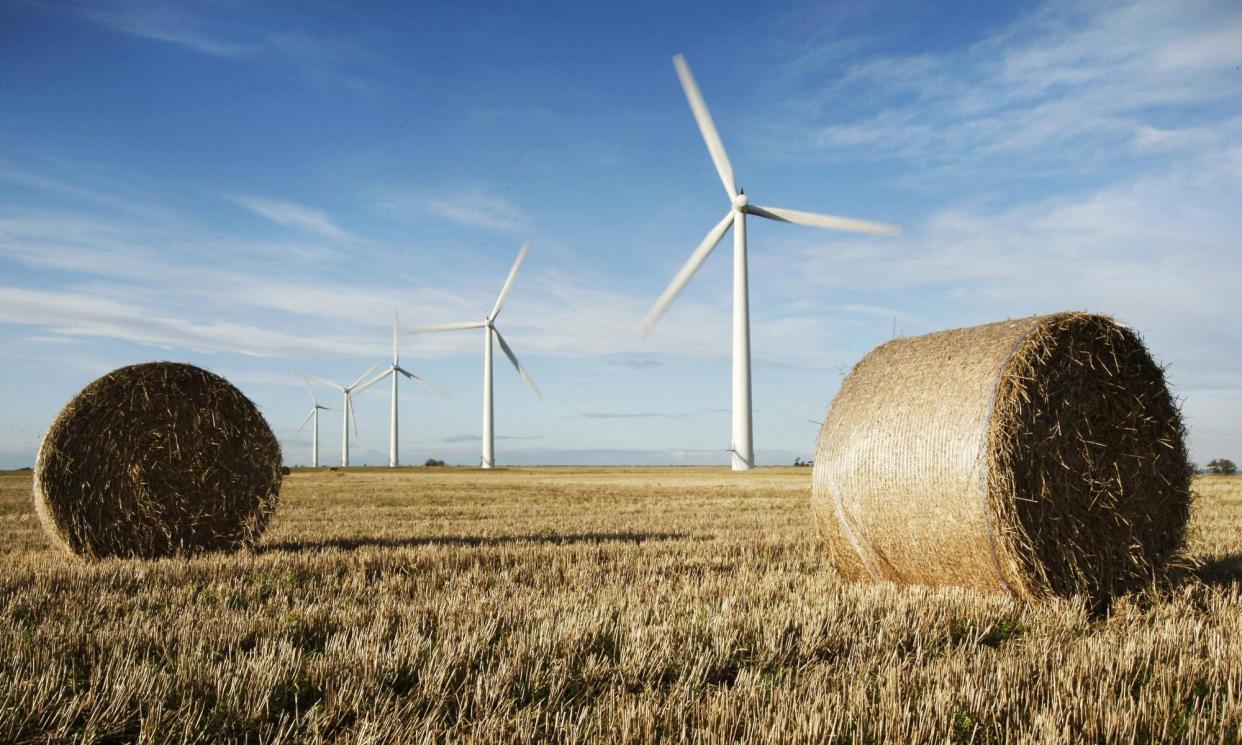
[(1041, 456), (158, 459)]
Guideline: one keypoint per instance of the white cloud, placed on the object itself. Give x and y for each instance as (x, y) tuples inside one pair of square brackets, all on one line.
[(290, 215), (72, 313), (206, 281), (20, 177), (1166, 227), (1159, 252), (1052, 86), (479, 209), (163, 24), (226, 33), (557, 315)]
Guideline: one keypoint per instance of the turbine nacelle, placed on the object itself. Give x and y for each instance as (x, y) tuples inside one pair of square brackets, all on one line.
[(347, 405), (735, 219), (493, 335), (740, 205), (489, 321)]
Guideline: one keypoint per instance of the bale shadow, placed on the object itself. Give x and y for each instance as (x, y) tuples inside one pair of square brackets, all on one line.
[(349, 544), (1223, 571)]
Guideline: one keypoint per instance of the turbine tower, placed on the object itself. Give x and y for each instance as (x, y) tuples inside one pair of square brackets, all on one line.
[(347, 406), (394, 370), (742, 446), (314, 414), (490, 332)]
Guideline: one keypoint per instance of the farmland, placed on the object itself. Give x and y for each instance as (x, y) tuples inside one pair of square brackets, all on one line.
[(577, 605)]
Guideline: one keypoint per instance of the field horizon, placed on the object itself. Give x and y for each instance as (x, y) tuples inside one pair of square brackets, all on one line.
[(569, 604)]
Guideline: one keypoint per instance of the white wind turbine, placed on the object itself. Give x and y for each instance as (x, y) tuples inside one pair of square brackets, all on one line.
[(313, 415), (394, 370), (742, 446), (347, 407), (490, 332)]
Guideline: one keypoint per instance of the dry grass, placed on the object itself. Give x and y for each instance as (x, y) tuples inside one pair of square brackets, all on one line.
[(586, 605)]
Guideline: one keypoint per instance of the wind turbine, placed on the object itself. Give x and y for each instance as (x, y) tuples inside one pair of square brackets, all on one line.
[(347, 407), (490, 332), (314, 414), (742, 446), (394, 369)]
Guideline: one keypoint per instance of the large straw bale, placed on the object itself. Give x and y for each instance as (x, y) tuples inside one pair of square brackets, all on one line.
[(157, 459), (1041, 456)]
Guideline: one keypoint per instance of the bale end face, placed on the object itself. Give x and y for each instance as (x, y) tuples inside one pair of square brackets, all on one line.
[(157, 459), (1043, 456)]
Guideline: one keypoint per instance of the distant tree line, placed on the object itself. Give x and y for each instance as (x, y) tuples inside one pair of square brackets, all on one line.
[(1222, 467)]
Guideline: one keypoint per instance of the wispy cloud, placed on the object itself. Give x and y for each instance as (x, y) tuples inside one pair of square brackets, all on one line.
[(1147, 250), (20, 177), (1056, 84), (171, 256), (290, 215), (454, 439), (644, 363), (164, 24), (72, 313), (901, 319), (225, 34), (210, 277), (480, 209)]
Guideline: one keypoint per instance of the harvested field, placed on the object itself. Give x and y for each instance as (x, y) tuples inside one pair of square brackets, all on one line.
[(573, 605)]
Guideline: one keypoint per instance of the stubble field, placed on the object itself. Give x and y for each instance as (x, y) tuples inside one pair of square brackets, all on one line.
[(577, 605)]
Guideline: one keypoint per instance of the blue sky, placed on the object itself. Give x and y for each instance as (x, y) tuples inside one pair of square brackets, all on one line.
[(254, 188)]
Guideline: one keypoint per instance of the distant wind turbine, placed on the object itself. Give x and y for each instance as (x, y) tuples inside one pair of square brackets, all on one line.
[(394, 370), (347, 407), (313, 415), (742, 445), (490, 331)]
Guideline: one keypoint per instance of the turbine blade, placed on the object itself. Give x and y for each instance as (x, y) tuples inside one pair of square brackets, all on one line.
[(318, 379), (687, 271), (349, 406), (370, 370), (504, 291), (448, 327), (817, 220), (371, 382), (706, 126), (311, 391), (417, 379), (304, 421), (517, 365)]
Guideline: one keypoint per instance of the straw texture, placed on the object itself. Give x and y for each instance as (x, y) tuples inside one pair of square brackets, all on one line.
[(1041, 456), (157, 459)]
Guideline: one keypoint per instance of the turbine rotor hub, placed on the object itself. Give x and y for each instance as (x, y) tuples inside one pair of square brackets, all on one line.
[(739, 202)]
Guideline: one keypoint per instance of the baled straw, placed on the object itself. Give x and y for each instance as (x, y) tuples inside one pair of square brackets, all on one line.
[(1041, 456), (157, 459)]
